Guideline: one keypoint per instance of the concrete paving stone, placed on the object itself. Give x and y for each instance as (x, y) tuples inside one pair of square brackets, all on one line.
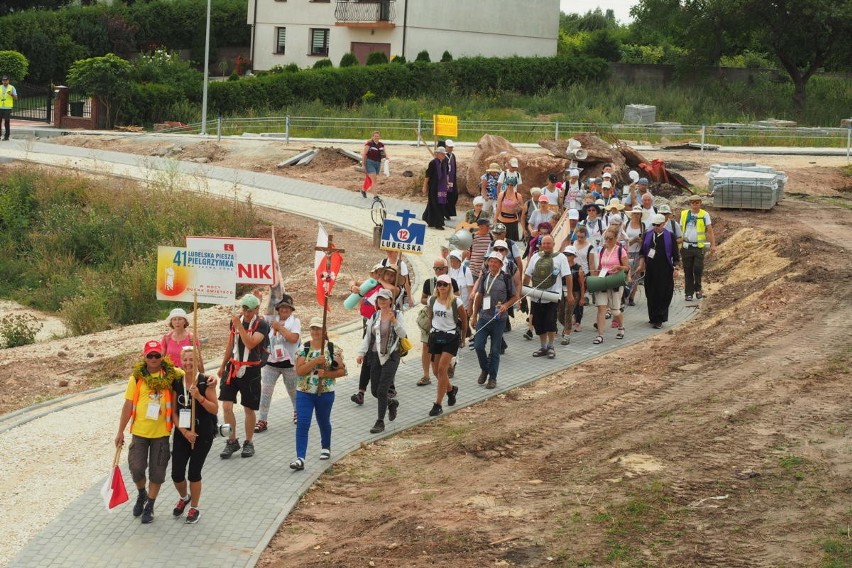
[(245, 499)]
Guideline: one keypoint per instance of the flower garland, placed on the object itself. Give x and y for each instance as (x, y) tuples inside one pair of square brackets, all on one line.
[(157, 382)]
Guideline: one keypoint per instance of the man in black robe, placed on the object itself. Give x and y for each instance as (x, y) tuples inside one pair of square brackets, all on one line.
[(659, 260), (435, 188)]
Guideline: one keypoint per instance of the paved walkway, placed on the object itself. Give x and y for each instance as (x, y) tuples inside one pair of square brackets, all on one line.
[(246, 500)]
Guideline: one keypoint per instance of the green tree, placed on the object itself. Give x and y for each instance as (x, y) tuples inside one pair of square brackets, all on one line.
[(377, 58), (104, 78), (423, 56), (348, 60), (14, 65)]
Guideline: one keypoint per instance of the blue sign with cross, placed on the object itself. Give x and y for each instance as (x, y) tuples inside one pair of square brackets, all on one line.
[(406, 235)]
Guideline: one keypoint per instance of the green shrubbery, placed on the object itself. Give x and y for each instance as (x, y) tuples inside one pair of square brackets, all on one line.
[(348, 85), (89, 248), (18, 329)]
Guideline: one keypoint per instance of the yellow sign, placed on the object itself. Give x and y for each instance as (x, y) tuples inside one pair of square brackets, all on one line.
[(182, 273), (445, 125)]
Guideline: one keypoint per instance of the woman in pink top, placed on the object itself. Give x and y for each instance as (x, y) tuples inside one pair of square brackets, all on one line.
[(178, 338), (509, 207), (613, 259)]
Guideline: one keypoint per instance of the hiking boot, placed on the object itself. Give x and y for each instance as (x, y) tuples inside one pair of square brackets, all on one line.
[(181, 505), (248, 449), (451, 396), (357, 398), (231, 446), (192, 516), (140, 503), (379, 426), (148, 512), (392, 406), (492, 384), (483, 376), (436, 410)]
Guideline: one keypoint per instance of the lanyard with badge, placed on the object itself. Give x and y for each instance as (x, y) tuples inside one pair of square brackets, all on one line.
[(486, 297), (185, 414)]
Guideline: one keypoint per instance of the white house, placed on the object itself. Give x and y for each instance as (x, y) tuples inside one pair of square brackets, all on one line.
[(305, 31)]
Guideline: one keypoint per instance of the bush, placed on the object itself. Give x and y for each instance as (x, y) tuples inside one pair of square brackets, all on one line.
[(83, 315), (322, 63), (423, 56), (348, 60), (13, 64), (398, 59), (377, 58), (234, 76), (149, 103), (19, 329), (446, 57), (166, 68)]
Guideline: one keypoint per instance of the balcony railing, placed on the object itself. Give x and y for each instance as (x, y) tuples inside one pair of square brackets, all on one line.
[(363, 12)]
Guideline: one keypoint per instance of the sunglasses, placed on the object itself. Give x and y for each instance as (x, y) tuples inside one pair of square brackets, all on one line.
[(442, 284), (501, 249), (153, 356), (437, 268)]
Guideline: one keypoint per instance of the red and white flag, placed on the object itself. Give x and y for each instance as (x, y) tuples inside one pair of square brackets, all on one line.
[(326, 268), (276, 291), (368, 183), (114, 492)]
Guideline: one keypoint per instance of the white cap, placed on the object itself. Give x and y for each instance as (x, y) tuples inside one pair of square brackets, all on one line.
[(440, 150), (497, 255), (573, 214), (479, 200), (500, 243), (615, 220), (606, 175), (658, 219), (570, 250), (457, 254), (513, 162), (449, 143), (606, 184), (574, 172)]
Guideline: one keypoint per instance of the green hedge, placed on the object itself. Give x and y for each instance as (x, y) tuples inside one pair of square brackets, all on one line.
[(348, 85), (53, 39)]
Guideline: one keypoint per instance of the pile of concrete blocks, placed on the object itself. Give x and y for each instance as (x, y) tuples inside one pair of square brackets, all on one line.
[(745, 185), (640, 114)]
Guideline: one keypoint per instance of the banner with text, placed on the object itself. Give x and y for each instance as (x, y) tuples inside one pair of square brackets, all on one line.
[(254, 264), (183, 272)]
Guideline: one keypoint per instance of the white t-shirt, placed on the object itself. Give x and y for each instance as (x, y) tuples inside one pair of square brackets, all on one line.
[(506, 174), (464, 277), (403, 267), (552, 196), (442, 316), (583, 257), (276, 340), (560, 262)]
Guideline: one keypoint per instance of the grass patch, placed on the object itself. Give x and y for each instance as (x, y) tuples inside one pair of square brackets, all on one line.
[(89, 247), (837, 552)]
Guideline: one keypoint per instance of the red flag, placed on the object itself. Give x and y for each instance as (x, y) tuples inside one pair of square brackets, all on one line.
[(326, 276), (368, 183), (113, 492)]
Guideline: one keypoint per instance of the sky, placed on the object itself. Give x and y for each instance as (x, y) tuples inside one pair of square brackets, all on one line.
[(620, 7)]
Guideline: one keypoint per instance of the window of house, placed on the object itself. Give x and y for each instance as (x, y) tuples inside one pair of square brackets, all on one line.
[(319, 41), (280, 39)]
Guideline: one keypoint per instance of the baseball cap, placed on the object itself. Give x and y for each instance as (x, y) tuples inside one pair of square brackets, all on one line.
[(513, 162), (384, 293), (152, 346), (499, 228), (643, 181), (483, 221), (500, 243), (543, 199), (445, 278), (250, 301), (570, 250), (573, 214), (440, 150), (495, 254), (658, 219), (316, 321)]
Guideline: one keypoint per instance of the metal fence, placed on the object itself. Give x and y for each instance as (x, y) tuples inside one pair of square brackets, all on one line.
[(35, 102), (728, 134)]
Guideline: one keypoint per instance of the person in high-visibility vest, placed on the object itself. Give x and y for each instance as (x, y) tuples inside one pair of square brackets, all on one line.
[(8, 96), (699, 241)]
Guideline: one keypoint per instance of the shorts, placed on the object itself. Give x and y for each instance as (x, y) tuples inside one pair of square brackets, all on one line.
[(544, 316), (248, 386), (372, 166), (148, 453), (443, 342), (609, 298)]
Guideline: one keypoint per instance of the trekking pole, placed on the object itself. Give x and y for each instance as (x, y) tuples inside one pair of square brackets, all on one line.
[(554, 273)]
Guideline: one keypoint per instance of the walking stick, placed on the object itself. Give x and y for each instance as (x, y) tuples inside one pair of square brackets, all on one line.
[(195, 360), (117, 458)]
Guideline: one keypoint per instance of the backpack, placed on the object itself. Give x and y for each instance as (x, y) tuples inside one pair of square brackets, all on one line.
[(507, 281), (542, 275), (431, 311), (329, 347)]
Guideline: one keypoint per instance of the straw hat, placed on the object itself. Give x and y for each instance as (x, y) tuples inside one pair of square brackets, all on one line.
[(493, 167), (614, 203)]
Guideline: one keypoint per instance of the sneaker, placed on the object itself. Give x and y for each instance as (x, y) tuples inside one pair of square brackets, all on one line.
[(297, 464), (363, 194), (148, 513), (566, 340), (325, 454), (379, 426), (357, 398), (261, 426), (192, 516), (140, 503), (483, 376), (699, 295), (436, 410), (392, 409), (540, 352), (451, 396), (248, 449), (608, 314), (528, 334), (688, 298), (491, 384), (231, 446), (181, 505)]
